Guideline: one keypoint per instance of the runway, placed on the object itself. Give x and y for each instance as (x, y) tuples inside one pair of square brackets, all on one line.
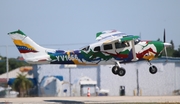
[(93, 100)]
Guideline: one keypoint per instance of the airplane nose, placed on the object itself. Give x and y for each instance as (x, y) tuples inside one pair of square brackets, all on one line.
[(167, 44)]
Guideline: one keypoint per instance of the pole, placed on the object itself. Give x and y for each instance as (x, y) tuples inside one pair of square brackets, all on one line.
[(70, 80), (7, 64), (99, 76), (137, 82), (7, 71), (70, 66)]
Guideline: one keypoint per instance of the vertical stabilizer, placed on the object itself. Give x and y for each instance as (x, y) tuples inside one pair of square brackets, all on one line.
[(31, 51)]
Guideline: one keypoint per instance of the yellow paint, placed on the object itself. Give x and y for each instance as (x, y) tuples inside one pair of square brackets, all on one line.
[(20, 43), (78, 63), (81, 63), (149, 57), (108, 41), (68, 53)]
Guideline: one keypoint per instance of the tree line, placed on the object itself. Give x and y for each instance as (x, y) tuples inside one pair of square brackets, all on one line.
[(13, 64), (171, 51)]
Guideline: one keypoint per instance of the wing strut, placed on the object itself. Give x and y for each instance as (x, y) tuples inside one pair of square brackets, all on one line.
[(133, 51)]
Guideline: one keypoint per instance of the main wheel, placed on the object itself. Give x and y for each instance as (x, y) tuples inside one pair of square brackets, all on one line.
[(115, 70), (153, 69), (121, 71)]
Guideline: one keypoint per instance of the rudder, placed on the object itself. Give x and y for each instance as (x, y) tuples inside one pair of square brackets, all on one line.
[(30, 50)]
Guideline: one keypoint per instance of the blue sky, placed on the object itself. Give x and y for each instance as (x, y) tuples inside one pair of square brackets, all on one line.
[(75, 23)]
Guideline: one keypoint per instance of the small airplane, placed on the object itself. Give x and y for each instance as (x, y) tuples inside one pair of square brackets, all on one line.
[(112, 48)]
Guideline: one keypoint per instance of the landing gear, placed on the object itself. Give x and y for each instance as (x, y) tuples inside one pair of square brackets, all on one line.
[(118, 70), (121, 71), (152, 68), (115, 70)]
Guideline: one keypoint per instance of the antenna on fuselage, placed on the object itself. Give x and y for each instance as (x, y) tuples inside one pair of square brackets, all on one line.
[(140, 35)]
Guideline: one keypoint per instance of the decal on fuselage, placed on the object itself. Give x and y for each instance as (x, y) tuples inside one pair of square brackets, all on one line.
[(66, 57)]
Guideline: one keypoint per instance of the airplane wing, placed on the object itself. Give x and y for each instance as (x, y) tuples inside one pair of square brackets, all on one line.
[(108, 34), (113, 35), (129, 38), (119, 38)]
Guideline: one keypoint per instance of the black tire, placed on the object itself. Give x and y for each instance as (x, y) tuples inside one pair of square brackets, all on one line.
[(121, 71), (153, 69), (115, 70)]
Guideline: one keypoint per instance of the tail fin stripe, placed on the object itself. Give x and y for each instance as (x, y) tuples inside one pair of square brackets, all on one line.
[(24, 49), (20, 43), (30, 50)]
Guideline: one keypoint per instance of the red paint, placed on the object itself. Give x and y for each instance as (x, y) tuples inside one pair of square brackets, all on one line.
[(140, 55), (118, 55), (27, 51)]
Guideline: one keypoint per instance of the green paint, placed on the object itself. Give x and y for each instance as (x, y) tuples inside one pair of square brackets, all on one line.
[(128, 38), (18, 31), (93, 55), (158, 44), (98, 34), (124, 52), (101, 55), (52, 57)]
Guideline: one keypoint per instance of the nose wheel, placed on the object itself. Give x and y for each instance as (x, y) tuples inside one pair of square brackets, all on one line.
[(118, 70), (152, 69)]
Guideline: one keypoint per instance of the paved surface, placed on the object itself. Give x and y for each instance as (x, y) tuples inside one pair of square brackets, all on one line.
[(93, 100)]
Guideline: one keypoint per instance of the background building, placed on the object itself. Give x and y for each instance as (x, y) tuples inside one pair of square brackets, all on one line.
[(58, 80), (137, 81)]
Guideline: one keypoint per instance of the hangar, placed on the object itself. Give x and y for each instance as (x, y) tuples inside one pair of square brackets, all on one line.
[(137, 81)]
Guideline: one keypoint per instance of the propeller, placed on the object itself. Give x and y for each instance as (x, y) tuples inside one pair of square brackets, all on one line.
[(164, 37), (165, 44), (164, 40)]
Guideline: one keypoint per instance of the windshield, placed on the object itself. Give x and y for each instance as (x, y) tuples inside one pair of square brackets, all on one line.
[(85, 48), (136, 41)]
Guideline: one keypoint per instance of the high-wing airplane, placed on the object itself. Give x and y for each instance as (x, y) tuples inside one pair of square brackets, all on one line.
[(112, 48)]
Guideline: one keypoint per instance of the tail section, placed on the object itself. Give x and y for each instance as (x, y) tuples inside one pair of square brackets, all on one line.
[(31, 51)]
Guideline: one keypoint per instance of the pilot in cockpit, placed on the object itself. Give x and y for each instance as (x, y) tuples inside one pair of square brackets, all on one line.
[(125, 44)]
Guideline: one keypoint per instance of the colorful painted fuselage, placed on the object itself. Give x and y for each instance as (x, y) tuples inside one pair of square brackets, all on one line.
[(101, 52), (145, 50)]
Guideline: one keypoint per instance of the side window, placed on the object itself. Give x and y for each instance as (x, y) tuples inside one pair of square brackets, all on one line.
[(107, 46), (118, 45), (121, 45), (97, 48)]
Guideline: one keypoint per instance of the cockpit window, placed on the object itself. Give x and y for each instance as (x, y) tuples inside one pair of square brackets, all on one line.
[(107, 46), (97, 48), (86, 48), (118, 45), (136, 41), (121, 44)]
